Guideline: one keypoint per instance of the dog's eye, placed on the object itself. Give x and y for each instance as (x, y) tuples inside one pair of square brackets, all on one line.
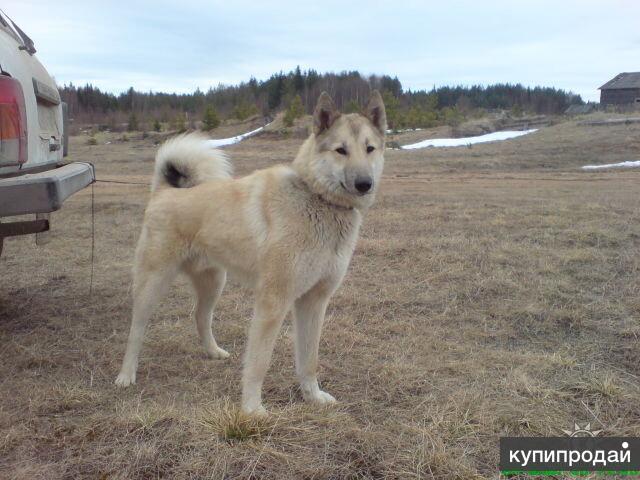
[(370, 149), (341, 151)]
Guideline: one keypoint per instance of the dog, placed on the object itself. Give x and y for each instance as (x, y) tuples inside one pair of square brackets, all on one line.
[(287, 232)]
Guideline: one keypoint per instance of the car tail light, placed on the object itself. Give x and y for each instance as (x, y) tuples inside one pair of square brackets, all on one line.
[(13, 122)]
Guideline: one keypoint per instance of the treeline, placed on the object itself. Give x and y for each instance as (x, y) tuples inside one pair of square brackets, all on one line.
[(90, 105)]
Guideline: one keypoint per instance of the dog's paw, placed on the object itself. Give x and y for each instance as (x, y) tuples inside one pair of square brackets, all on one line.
[(218, 354), (320, 398), (258, 411), (125, 379)]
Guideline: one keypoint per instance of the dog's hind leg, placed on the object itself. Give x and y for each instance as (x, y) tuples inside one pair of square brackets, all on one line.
[(309, 311), (149, 286), (208, 285)]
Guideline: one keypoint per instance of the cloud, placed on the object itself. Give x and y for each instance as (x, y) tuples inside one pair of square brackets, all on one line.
[(171, 46)]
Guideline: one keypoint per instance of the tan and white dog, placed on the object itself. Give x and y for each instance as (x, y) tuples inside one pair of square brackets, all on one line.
[(287, 232)]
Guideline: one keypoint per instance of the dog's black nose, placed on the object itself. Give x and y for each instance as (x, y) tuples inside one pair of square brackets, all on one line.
[(363, 184)]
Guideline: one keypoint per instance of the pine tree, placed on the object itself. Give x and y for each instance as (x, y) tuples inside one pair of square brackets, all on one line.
[(275, 90), (133, 122), (244, 110), (179, 123), (298, 80), (352, 107), (392, 108), (210, 119), (295, 110), (157, 126)]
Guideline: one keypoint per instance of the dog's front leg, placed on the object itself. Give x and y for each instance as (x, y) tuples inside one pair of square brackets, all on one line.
[(270, 310), (309, 311)]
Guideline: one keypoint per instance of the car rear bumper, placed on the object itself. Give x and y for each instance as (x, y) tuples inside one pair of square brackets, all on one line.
[(43, 192)]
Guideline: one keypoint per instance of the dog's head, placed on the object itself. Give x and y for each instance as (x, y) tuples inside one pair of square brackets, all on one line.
[(346, 157)]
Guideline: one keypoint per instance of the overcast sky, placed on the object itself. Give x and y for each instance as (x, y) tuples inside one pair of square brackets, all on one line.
[(180, 45)]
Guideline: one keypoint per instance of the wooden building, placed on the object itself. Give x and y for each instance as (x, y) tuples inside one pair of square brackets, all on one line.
[(623, 89)]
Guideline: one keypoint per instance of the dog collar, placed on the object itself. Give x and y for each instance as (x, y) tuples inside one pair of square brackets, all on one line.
[(320, 197), (331, 204)]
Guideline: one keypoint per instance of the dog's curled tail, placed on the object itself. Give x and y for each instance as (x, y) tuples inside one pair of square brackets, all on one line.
[(188, 160)]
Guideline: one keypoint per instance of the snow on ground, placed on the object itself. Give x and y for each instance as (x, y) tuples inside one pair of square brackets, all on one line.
[(629, 164), (405, 130), (223, 142), (462, 142)]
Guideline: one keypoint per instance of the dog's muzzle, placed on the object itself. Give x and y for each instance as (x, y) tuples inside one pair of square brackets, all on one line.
[(363, 184)]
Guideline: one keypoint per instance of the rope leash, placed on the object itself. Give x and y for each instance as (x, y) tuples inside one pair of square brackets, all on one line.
[(93, 236), (123, 183), (93, 221)]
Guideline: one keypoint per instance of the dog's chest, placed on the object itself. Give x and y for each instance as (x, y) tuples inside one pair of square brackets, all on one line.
[(332, 231), (328, 252)]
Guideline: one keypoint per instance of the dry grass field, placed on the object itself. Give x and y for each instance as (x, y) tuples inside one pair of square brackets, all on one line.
[(495, 291)]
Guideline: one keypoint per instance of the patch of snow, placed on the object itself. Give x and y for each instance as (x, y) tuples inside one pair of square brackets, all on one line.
[(463, 142), (405, 130), (629, 164), (223, 142)]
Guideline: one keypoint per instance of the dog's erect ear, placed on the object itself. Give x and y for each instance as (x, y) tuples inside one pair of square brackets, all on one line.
[(325, 113), (376, 113)]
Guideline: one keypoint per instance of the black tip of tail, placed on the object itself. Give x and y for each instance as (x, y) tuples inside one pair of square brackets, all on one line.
[(173, 176)]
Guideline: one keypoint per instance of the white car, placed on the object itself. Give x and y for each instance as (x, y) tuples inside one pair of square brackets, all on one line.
[(33, 139)]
